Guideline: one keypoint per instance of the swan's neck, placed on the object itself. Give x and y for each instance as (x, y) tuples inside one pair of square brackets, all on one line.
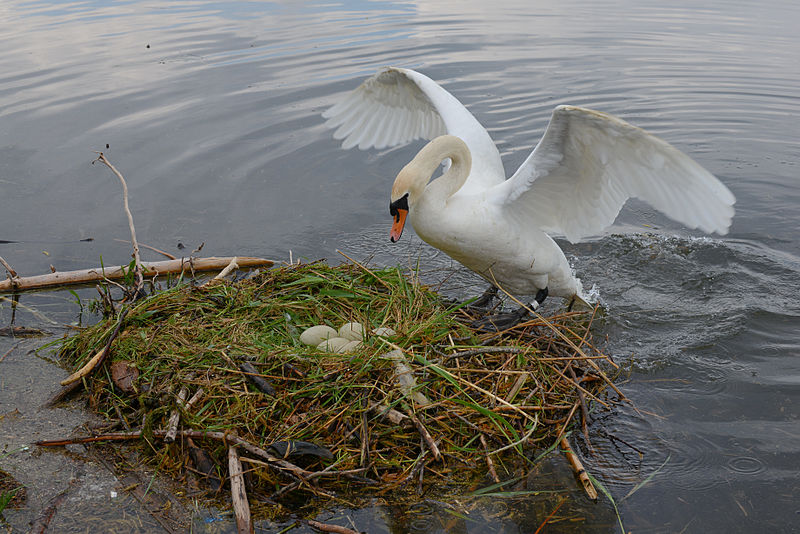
[(425, 163)]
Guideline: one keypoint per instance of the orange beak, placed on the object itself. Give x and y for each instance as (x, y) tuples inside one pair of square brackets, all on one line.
[(398, 224)]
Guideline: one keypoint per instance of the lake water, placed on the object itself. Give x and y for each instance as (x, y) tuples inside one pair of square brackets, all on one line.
[(212, 109)]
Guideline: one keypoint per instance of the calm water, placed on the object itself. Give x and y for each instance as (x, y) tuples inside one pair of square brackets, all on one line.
[(212, 112)]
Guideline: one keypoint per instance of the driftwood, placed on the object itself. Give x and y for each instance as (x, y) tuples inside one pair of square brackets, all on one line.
[(241, 508), (151, 269)]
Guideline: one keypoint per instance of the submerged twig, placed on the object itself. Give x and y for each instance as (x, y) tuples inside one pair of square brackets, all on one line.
[(325, 527), (577, 468)]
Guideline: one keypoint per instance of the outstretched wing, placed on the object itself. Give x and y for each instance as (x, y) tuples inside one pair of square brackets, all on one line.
[(397, 106), (588, 164)]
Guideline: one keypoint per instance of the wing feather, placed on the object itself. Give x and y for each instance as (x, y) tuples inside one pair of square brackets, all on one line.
[(397, 106), (588, 164)]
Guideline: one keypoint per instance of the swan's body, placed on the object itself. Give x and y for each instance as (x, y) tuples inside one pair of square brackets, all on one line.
[(574, 183)]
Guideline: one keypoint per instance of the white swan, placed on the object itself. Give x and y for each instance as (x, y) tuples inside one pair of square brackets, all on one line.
[(574, 183)]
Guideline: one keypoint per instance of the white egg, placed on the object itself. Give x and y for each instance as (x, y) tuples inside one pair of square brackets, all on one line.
[(351, 346), (384, 331), (352, 331), (334, 344), (317, 334)]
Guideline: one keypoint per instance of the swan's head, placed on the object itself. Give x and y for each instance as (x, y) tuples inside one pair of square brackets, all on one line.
[(398, 208), (412, 181)]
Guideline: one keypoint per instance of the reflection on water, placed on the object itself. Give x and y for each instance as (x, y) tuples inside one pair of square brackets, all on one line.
[(212, 111)]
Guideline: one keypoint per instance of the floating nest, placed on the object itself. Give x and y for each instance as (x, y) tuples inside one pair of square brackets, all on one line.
[(425, 402)]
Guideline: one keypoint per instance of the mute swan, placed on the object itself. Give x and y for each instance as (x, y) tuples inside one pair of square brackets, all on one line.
[(573, 184)]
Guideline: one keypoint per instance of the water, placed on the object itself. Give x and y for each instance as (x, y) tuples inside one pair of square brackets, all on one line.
[(212, 112)]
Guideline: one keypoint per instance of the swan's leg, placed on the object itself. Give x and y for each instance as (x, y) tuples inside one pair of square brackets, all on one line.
[(504, 321), (539, 298)]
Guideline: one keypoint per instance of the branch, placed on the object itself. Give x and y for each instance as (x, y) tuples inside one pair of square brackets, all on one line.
[(99, 274), (137, 261)]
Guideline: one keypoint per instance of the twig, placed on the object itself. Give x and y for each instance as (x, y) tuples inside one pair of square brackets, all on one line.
[(241, 508), (175, 416), (489, 462), (154, 249), (381, 410), (233, 264), (364, 459), (196, 397), (196, 434), (569, 342), (584, 409), (567, 420), (324, 527), (98, 358), (521, 440), (9, 351), (42, 521), (577, 468), (11, 272), (137, 261), (549, 517), (365, 269), (426, 436)]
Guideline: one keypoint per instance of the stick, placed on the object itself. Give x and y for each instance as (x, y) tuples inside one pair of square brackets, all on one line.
[(396, 417), (426, 436), (196, 397), (489, 462), (196, 434), (154, 249), (175, 416), (241, 508), (99, 274), (549, 517), (577, 468), (324, 527), (11, 272), (520, 441), (569, 342), (137, 261), (42, 522), (224, 272), (97, 358), (584, 410)]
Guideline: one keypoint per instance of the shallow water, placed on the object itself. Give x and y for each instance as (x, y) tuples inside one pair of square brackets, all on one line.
[(212, 112)]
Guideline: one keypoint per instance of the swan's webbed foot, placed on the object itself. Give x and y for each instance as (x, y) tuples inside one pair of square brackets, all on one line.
[(498, 322), (485, 299)]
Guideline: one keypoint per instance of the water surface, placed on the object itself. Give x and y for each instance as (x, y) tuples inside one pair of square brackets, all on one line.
[(212, 112)]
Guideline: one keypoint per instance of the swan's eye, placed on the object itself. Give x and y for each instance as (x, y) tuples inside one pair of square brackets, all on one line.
[(399, 204)]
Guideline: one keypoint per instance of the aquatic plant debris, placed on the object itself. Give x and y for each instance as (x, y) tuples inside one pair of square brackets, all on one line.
[(328, 422)]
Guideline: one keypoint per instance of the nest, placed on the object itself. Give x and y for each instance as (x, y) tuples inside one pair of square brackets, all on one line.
[(438, 405)]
